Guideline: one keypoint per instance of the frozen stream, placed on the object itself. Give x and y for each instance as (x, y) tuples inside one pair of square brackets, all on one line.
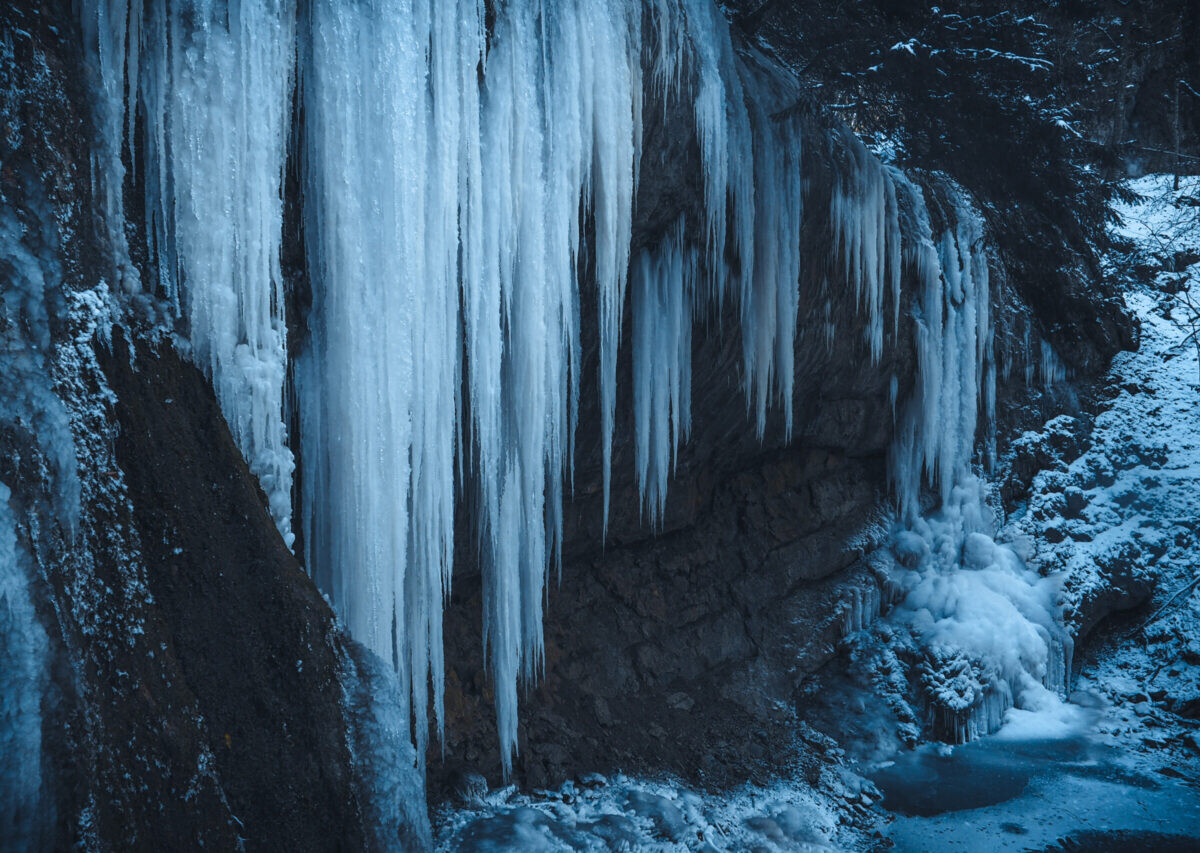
[(1002, 794)]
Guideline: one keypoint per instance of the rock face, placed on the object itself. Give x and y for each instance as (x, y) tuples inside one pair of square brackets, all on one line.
[(195, 686), (250, 637)]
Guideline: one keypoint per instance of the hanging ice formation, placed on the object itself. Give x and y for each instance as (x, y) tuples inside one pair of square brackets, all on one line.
[(212, 83), (458, 176), (988, 625), (935, 435)]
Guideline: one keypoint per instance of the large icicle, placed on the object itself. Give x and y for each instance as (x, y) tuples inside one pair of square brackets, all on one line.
[(377, 385), (505, 169), (107, 27), (770, 292), (214, 82), (866, 227), (663, 286)]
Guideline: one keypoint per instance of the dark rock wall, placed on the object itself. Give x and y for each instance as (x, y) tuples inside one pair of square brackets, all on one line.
[(249, 635)]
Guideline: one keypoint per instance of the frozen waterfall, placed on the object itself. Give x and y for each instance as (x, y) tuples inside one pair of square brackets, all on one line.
[(465, 183), (988, 626)]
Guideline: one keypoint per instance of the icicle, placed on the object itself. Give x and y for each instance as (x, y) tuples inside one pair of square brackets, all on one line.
[(770, 298), (214, 85), (108, 27), (1051, 368), (663, 284), (866, 227), (386, 90)]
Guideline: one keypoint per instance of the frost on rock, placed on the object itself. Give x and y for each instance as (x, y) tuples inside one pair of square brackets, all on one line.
[(623, 813), (389, 776), (30, 270)]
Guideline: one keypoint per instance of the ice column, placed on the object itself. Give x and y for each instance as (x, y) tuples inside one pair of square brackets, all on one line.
[(935, 438), (987, 624)]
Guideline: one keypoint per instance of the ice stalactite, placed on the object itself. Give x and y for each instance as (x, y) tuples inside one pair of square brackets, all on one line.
[(376, 385), (433, 193), (110, 42), (935, 438), (664, 283), (23, 660), (866, 227), (726, 147), (1051, 368), (770, 295), (987, 624), (210, 84), (215, 84), (480, 188)]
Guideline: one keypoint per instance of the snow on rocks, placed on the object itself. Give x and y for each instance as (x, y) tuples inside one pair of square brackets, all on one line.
[(635, 814)]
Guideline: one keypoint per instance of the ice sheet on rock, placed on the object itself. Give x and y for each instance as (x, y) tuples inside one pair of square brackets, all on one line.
[(23, 661)]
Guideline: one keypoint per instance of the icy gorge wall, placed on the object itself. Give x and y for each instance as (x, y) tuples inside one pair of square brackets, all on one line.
[(463, 193), (568, 348), (455, 184)]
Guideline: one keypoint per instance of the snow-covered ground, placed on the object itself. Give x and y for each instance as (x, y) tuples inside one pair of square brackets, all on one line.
[(621, 813), (1116, 766)]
